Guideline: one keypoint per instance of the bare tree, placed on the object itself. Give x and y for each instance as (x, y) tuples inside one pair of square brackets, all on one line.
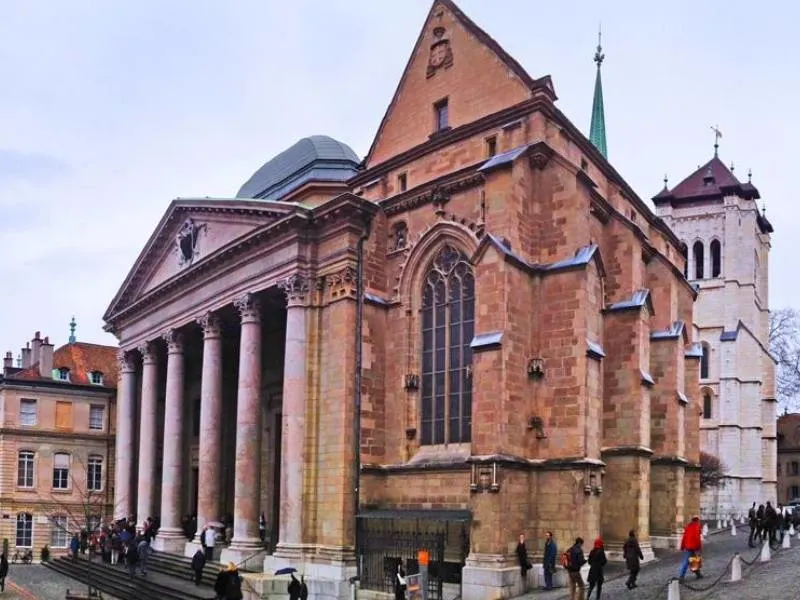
[(712, 471), (86, 514), (784, 344)]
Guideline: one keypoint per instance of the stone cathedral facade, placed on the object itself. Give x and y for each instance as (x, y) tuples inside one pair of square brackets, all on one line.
[(525, 363), (728, 239)]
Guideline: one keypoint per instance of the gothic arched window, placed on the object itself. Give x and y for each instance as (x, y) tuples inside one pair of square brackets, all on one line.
[(706, 405), (704, 361), (699, 258), (448, 324), (716, 258)]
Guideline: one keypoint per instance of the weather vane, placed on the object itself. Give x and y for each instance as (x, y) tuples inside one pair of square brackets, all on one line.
[(717, 137), (599, 56)]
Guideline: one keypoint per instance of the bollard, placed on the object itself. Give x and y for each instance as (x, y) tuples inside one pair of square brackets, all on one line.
[(736, 568), (787, 542), (719, 524), (705, 530), (733, 529), (765, 554), (422, 559), (674, 590), (791, 529)]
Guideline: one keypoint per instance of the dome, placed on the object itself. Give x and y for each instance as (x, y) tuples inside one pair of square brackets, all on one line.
[(315, 158)]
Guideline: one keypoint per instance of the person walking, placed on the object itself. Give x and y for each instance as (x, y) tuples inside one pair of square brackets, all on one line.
[(575, 560), (3, 571), (632, 553), (692, 545), (400, 585), (209, 541), (549, 560), (522, 560), (198, 564), (597, 562)]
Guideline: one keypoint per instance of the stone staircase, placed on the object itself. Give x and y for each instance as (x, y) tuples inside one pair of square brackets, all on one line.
[(166, 578)]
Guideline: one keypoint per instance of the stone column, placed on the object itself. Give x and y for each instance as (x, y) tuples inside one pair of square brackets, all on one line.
[(170, 535), (247, 491), (146, 496), (294, 419), (124, 450), (209, 486)]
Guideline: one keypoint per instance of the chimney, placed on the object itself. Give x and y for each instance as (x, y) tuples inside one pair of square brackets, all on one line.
[(46, 358), (8, 362), (26, 356), (36, 346)]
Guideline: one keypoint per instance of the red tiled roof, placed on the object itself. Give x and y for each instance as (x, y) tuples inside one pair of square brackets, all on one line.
[(81, 358), (711, 180)]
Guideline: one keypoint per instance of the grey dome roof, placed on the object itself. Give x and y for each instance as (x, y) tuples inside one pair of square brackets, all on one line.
[(318, 157)]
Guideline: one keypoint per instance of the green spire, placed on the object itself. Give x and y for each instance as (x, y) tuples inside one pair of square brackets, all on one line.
[(72, 326), (597, 130)]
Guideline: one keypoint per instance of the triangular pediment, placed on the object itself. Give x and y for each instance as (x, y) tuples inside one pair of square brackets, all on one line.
[(190, 232), (453, 59)]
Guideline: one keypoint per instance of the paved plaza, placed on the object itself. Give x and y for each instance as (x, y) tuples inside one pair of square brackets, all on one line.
[(777, 580), (35, 582)]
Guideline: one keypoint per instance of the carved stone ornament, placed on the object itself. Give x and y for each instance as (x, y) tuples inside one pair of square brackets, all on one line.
[(174, 340), (342, 283), (441, 54), (485, 478), (148, 352), (211, 325), (295, 287), (186, 241), (248, 306), (125, 361)]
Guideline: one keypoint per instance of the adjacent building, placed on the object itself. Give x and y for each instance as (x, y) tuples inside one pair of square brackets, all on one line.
[(789, 458), (56, 442), (728, 238), (478, 329)]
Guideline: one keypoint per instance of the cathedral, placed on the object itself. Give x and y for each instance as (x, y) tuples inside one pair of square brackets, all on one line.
[(728, 239), (477, 330)]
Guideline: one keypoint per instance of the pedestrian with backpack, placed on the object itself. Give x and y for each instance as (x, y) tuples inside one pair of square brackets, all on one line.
[(573, 560)]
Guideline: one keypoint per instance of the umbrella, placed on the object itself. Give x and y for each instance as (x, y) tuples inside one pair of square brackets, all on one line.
[(216, 524), (285, 571)]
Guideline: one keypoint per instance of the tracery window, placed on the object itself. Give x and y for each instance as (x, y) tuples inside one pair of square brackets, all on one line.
[(448, 325), (716, 258), (699, 259)]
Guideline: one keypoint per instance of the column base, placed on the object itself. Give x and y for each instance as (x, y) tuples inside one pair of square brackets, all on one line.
[(170, 540), (614, 551), (247, 554), (318, 563), (665, 542)]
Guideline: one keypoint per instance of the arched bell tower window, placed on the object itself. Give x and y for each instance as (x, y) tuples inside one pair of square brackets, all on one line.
[(716, 258), (704, 360), (448, 326), (706, 405), (699, 257)]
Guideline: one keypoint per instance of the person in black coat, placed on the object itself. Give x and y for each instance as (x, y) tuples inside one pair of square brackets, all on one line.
[(400, 582), (522, 559), (198, 563), (597, 562), (3, 571), (294, 588), (632, 554)]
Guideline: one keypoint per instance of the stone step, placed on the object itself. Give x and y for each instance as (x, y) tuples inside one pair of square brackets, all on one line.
[(114, 580), (181, 567)]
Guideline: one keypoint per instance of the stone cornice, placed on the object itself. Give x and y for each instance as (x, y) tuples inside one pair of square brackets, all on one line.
[(58, 387), (51, 433), (506, 461), (439, 189)]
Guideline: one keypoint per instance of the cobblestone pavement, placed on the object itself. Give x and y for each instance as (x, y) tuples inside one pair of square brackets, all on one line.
[(35, 582), (769, 579)]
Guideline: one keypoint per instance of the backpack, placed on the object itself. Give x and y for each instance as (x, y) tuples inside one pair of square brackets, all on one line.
[(565, 560)]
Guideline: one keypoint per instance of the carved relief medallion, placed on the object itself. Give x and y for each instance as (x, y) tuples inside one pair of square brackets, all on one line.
[(441, 54)]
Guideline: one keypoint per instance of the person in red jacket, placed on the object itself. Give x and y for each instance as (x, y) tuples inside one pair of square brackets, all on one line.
[(692, 545)]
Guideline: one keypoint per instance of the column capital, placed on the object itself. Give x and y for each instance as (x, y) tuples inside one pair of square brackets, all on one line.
[(148, 352), (249, 308), (174, 339), (211, 324), (296, 288), (125, 361)]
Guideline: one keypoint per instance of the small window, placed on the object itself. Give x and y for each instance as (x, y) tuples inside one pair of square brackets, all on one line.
[(94, 474), (25, 469), (491, 146), (96, 417), (27, 413), (96, 377), (59, 531), (62, 374), (93, 523), (61, 471), (716, 258), (402, 182), (24, 530), (706, 405), (794, 493), (63, 415), (794, 467), (704, 360), (441, 112), (699, 259)]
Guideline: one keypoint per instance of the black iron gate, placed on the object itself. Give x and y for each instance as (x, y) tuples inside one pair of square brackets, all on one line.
[(381, 551)]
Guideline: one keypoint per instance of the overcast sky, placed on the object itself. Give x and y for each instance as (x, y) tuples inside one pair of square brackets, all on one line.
[(108, 110)]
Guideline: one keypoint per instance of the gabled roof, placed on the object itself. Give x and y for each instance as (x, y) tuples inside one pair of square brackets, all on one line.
[(483, 38), (81, 358), (711, 181)]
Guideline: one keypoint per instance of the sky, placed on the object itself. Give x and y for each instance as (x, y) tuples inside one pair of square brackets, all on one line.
[(109, 110)]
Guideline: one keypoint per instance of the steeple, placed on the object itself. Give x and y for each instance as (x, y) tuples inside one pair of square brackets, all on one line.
[(597, 130), (72, 326)]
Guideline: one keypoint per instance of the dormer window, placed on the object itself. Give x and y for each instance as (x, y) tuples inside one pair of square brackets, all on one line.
[(96, 378), (61, 374)]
